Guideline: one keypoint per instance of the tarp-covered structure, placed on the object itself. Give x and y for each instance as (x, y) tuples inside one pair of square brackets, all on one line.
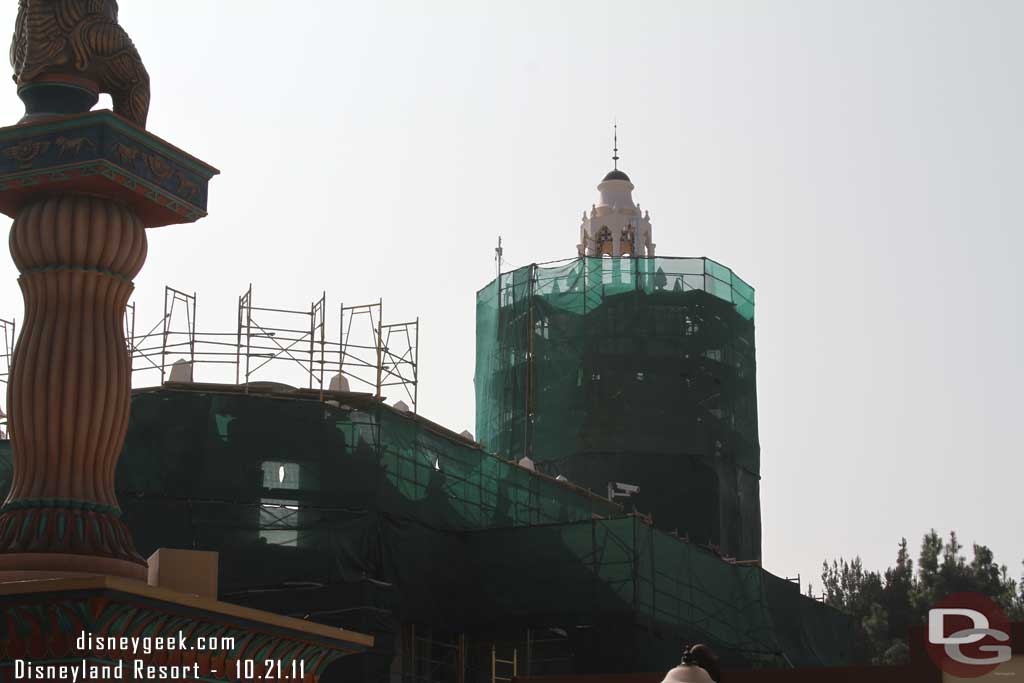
[(631, 370), (348, 512)]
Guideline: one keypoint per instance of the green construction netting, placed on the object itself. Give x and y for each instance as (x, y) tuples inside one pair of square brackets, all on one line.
[(201, 445), (592, 569), (364, 517), (636, 370)]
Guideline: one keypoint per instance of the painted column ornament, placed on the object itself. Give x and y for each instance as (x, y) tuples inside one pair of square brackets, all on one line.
[(64, 46), (70, 386), (82, 188)]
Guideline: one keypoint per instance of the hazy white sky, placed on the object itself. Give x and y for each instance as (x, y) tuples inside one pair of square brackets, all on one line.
[(859, 163)]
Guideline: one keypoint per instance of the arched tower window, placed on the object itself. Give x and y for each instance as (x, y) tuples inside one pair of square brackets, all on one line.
[(627, 240), (604, 241)]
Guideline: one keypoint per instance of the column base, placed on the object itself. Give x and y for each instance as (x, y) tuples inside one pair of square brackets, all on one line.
[(58, 538)]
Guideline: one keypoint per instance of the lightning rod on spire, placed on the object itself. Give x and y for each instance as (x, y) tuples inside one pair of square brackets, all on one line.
[(615, 154), (498, 253)]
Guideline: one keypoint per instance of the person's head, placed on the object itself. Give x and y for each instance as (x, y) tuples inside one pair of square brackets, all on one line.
[(704, 657)]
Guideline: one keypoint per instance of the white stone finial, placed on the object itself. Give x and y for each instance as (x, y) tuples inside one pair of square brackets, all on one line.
[(339, 383), (181, 371)]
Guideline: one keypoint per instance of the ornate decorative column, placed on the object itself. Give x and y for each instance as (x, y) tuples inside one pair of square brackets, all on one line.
[(82, 188), (70, 387)]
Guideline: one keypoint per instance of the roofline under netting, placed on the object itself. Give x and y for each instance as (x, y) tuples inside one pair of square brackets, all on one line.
[(563, 261), (363, 400)]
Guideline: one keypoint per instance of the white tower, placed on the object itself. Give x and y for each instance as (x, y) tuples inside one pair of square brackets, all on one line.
[(615, 225)]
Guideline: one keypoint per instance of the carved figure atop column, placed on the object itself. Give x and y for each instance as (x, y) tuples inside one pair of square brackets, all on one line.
[(66, 52)]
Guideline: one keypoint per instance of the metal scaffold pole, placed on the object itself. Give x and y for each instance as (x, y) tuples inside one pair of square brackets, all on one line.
[(374, 355), (380, 342)]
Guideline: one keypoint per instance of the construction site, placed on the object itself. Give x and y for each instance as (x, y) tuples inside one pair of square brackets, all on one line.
[(605, 514), (263, 488)]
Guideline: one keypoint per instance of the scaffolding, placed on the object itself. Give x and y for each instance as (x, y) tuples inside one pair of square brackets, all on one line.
[(354, 513), (636, 370), (170, 340), (432, 655), (7, 337), (269, 342), (376, 355), (272, 334)]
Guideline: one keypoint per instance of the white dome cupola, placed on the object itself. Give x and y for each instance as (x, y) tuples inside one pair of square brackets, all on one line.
[(615, 226)]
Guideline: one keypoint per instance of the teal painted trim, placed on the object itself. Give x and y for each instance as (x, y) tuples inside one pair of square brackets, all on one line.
[(32, 173), (106, 168), (83, 269), (114, 121), (195, 212), (60, 503), (153, 142)]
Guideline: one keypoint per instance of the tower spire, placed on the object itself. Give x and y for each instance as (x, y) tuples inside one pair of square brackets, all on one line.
[(615, 151)]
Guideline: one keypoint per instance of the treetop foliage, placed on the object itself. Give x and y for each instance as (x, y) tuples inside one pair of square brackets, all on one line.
[(887, 604)]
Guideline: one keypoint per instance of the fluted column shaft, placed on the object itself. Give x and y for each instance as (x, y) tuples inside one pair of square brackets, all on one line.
[(70, 388)]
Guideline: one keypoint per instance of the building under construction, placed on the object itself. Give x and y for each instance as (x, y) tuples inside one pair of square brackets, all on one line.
[(605, 514), (635, 371)]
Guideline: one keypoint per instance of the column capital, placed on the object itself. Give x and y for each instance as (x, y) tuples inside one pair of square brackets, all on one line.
[(99, 153)]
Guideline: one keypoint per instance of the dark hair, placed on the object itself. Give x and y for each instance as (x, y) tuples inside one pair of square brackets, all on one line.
[(704, 657)]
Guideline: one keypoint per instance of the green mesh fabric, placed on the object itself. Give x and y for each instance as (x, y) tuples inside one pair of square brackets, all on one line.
[(583, 571), (639, 371), (200, 445), (352, 514)]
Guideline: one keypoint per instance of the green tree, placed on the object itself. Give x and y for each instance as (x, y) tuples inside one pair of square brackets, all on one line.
[(886, 605)]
